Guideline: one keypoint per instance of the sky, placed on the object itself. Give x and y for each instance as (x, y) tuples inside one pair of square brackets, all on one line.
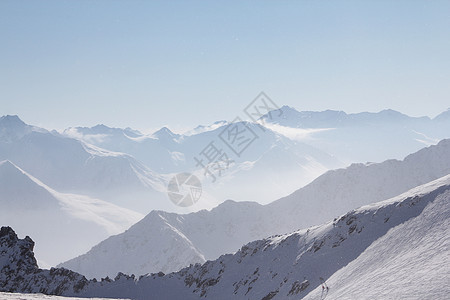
[(148, 64)]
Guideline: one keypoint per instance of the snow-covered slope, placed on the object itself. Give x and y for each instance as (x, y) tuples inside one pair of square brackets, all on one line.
[(340, 190), (64, 225), (412, 261), (290, 266), (146, 246), (366, 253), (71, 166), (225, 228)]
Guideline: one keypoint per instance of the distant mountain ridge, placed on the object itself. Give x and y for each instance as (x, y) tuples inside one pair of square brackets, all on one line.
[(168, 152), (290, 117), (360, 137), (300, 145), (72, 166)]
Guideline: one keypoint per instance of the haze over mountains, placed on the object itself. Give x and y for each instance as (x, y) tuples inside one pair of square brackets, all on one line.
[(361, 137), (64, 224), (300, 146), (120, 170), (142, 250), (269, 154), (69, 165)]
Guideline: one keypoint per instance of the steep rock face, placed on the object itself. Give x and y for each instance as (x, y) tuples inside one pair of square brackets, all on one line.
[(16, 254), (19, 271)]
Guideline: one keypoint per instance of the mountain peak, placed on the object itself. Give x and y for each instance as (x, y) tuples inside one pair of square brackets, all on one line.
[(443, 116), (132, 132), (13, 128), (10, 121), (101, 127), (9, 233), (288, 108), (392, 113), (165, 133)]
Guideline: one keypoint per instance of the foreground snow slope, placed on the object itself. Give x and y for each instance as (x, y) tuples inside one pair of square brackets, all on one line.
[(16, 296), (413, 258), (208, 234), (62, 224), (286, 266)]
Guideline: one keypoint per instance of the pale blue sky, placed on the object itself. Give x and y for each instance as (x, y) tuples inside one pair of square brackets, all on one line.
[(146, 64)]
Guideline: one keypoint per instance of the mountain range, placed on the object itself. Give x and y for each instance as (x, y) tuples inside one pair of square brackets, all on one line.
[(364, 253), (116, 176), (205, 235), (360, 137)]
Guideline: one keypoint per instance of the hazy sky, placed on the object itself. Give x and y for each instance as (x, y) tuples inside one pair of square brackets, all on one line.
[(146, 64)]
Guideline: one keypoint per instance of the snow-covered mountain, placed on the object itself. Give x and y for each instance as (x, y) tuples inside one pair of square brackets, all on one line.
[(272, 161), (63, 224), (294, 148), (71, 166), (369, 251), (133, 172), (208, 234), (12, 129), (77, 162), (150, 245), (359, 137)]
